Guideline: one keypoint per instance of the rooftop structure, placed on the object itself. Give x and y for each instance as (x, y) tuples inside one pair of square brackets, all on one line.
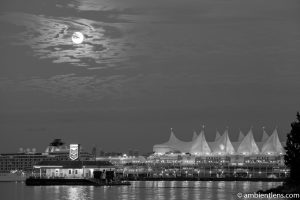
[(241, 136), (199, 145), (223, 145), (272, 145), (246, 145), (71, 169)]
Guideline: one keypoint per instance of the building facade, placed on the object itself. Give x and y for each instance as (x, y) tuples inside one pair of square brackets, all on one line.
[(220, 158), (71, 169), (24, 161), (222, 146)]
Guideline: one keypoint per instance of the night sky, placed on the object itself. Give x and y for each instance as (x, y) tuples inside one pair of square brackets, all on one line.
[(144, 67)]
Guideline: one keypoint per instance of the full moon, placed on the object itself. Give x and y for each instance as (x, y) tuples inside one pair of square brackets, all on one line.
[(77, 37)]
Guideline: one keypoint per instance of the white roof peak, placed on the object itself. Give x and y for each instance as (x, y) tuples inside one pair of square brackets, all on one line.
[(241, 136), (273, 145), (265, 135), (248, 145), (223, 144), (195, 135), (200, 146), (217, 135)]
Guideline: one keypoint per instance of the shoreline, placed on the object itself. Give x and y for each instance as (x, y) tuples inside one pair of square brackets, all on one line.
[(208, 179), (180, 179), (87, 182)]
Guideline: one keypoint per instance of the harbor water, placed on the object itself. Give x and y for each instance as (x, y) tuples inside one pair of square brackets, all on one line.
[(146, 190)]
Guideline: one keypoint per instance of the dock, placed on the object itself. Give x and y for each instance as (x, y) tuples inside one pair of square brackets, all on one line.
[(63, 181)]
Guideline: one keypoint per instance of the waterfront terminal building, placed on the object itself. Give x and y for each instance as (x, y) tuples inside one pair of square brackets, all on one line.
[(220, 158), (245, 146), (174, 159), (71, 169), (198, 158)]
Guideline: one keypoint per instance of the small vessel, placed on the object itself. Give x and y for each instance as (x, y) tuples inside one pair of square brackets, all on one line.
[(12, 176)]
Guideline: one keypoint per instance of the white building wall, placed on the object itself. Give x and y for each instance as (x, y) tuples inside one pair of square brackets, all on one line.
[(66, 173), (73, 173)]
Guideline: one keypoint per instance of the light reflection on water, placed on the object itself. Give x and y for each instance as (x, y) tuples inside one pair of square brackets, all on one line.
[(148, 190)]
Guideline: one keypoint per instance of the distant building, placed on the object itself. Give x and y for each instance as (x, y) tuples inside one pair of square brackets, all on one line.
[(123, 160), (255, 158), (25, 160)]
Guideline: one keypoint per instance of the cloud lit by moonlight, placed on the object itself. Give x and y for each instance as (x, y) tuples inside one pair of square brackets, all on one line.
[(77, 38)]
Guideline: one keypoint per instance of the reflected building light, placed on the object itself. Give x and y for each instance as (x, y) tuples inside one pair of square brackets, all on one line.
[(76, 193)]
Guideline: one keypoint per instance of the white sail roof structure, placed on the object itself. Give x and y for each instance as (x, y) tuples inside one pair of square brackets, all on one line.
[(245, 145), (173, 144), (217, 135), (223, 145), (200, 146), (195, 135), (248, 146), (241, 136), (170, 145), (265, 136), (272, 145)]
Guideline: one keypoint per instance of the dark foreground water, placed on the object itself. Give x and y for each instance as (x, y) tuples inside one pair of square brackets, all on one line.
[(149, 190)]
